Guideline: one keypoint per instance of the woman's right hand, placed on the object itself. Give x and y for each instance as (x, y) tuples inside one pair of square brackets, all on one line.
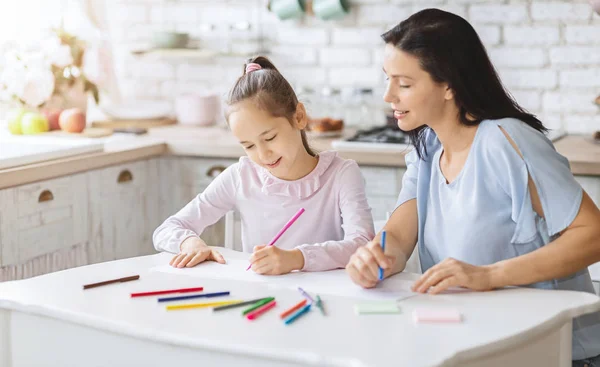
[(364, 264), (194, 251)]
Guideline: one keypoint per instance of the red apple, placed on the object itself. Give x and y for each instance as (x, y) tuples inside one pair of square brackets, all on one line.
[(72, 120), (52, 115)]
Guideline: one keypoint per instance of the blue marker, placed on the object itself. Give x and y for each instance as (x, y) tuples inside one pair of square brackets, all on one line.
[(204, 295), (382, 249), (298, 313)]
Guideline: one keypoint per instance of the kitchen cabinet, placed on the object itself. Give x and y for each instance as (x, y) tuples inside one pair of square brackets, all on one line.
[(124, 210), (43, 227), (181, 180), (382, 186)]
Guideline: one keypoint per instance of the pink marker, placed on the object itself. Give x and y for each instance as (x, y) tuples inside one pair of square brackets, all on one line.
[(421, 315), (259, 311), (282, 231)]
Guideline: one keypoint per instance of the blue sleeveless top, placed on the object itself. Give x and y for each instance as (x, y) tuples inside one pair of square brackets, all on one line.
[(485, 215)]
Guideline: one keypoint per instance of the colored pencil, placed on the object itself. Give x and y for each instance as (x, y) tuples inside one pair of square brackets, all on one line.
[(306, 295), (257, 305), (383, 235), (201, 305), (292, 309), (299, 313), (106, 282), (282, 231), (320, 305), (261, 310), (236, 305), (179, 298), (156, 293)]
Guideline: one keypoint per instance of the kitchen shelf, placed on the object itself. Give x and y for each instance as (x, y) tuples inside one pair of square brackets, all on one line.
[(188, 53)]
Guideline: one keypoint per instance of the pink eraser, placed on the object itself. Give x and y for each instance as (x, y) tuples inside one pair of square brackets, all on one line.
[(436, 315)]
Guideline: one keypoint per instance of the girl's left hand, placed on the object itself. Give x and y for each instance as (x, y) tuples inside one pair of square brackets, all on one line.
[(271, 260), (454, 273)]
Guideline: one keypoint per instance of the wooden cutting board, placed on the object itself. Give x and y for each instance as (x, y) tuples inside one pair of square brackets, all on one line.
[(90, 132), (144, 123)]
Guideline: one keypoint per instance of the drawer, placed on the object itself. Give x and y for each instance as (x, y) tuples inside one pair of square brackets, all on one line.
[(382, 181), (130, 175), (199, 172), (43, 217)]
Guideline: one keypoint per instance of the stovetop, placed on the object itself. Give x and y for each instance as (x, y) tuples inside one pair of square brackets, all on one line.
[(382, 134)]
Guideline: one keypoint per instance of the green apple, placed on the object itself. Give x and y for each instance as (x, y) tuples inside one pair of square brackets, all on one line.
[(14, 118), (34, 123)]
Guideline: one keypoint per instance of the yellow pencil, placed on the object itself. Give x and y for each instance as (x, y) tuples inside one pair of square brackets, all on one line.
[(201, 305)]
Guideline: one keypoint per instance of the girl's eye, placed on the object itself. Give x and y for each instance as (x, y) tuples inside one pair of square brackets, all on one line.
[(404, 86), (249, 147), (270, 139)]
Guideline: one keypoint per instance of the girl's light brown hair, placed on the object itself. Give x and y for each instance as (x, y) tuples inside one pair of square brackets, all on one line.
[(270, 92)]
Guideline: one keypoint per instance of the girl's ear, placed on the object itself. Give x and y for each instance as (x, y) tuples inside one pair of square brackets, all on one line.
[(300, 118)]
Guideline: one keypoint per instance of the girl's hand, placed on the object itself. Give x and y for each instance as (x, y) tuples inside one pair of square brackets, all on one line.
[(193, 252), (455, 273), (271, 260), (363, 266)]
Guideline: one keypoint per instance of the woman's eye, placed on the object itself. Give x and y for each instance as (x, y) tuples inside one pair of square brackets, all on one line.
[(404, 86), (274, 136)]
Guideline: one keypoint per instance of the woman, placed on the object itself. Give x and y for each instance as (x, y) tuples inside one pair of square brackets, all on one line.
[(486, 196)]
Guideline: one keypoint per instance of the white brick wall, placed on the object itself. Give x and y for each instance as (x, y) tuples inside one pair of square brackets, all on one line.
[(546, 51)]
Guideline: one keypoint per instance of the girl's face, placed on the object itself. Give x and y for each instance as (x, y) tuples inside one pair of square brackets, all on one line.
[(271, 142), (415, 98)]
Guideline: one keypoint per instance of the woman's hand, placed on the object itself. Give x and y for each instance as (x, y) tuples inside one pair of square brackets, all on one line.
[(271, 260), (363, 266), (455, 273), (193, 252)]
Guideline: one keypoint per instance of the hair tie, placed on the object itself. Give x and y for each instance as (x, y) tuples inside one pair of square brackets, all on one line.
[(250, 67)]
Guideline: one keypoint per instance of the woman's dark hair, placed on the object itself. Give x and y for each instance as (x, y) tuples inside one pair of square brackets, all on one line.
[(270, 92), (449, 49)]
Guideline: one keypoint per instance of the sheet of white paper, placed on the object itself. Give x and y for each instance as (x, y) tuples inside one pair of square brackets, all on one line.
[(335, 282)]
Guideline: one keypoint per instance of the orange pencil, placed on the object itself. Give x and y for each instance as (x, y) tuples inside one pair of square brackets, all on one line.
[(293, 309)]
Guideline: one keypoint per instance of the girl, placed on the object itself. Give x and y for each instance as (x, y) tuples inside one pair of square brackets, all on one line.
[(280, 175), (486, 196)]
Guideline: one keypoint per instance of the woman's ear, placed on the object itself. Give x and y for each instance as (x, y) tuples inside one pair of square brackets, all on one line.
[(300, 118), (448, 94)]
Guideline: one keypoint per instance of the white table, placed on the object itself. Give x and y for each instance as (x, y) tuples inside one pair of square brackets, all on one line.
[(50, 321)]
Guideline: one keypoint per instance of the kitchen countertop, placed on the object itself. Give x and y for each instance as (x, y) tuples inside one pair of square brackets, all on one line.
[(217, 142)]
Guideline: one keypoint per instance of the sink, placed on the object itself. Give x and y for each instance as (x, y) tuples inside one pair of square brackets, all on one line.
[(22, 150)]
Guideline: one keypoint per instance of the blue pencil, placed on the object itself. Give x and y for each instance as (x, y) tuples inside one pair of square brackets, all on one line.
[(382, 249), (217, 294), (298, 313)]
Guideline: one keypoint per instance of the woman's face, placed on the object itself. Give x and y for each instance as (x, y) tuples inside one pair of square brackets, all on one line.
[(415, 98)]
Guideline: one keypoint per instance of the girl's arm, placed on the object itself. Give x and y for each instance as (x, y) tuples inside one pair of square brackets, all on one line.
[(204, 210), (357, 224)]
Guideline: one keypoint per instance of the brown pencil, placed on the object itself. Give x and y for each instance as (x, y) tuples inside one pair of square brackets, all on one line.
[(120, 280)]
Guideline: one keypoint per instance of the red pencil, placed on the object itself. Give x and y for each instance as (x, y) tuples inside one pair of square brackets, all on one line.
[(293, 309), (155, 293)]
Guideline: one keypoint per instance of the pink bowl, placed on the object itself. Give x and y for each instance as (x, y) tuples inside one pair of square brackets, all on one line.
[(197, 109)]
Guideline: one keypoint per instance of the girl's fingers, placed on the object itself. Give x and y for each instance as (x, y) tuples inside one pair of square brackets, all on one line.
[(261, 267), (173, 259), (197, 259), (177, 260), (216, 256), (258, 254), (186, 259)]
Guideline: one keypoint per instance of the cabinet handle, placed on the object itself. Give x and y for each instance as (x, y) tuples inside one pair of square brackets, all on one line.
[(45, 195), (218, 169), (125, 176)]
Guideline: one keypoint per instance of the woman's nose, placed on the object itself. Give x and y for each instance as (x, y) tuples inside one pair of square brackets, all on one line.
[(389, 96)]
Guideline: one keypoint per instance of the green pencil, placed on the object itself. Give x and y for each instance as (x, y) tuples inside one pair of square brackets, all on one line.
[(257, 305)]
